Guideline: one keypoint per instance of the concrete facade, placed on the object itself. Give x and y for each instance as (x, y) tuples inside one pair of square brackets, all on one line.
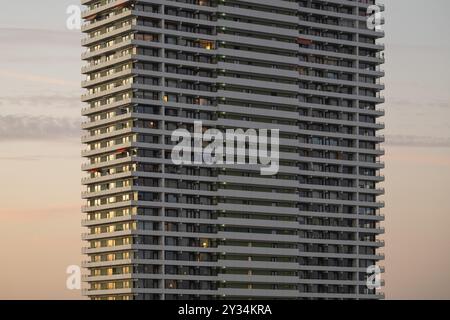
[(310, 68)]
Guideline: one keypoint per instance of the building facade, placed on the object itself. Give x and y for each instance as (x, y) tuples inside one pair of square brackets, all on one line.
[(155, 230)]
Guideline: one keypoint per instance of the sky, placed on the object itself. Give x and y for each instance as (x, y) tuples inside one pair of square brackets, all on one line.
[(40, 150)]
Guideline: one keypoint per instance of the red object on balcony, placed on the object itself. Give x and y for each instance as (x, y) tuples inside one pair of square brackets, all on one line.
[(91, 17), (304, 41), (121, 5), (121, 150)]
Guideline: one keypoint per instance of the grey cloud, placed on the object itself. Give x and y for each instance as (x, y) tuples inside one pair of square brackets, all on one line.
[(19, 158), (38, 158), (59, 101), (417, 141), (25, 127), (396, 102), (39, 36)]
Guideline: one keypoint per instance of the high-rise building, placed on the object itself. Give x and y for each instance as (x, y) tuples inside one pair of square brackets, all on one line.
[(156, 230)]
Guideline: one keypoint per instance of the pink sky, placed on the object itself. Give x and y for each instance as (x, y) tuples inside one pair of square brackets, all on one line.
[(40, 154)]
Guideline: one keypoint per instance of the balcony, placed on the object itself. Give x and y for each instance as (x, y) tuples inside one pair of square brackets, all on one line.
[(93, 10)]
